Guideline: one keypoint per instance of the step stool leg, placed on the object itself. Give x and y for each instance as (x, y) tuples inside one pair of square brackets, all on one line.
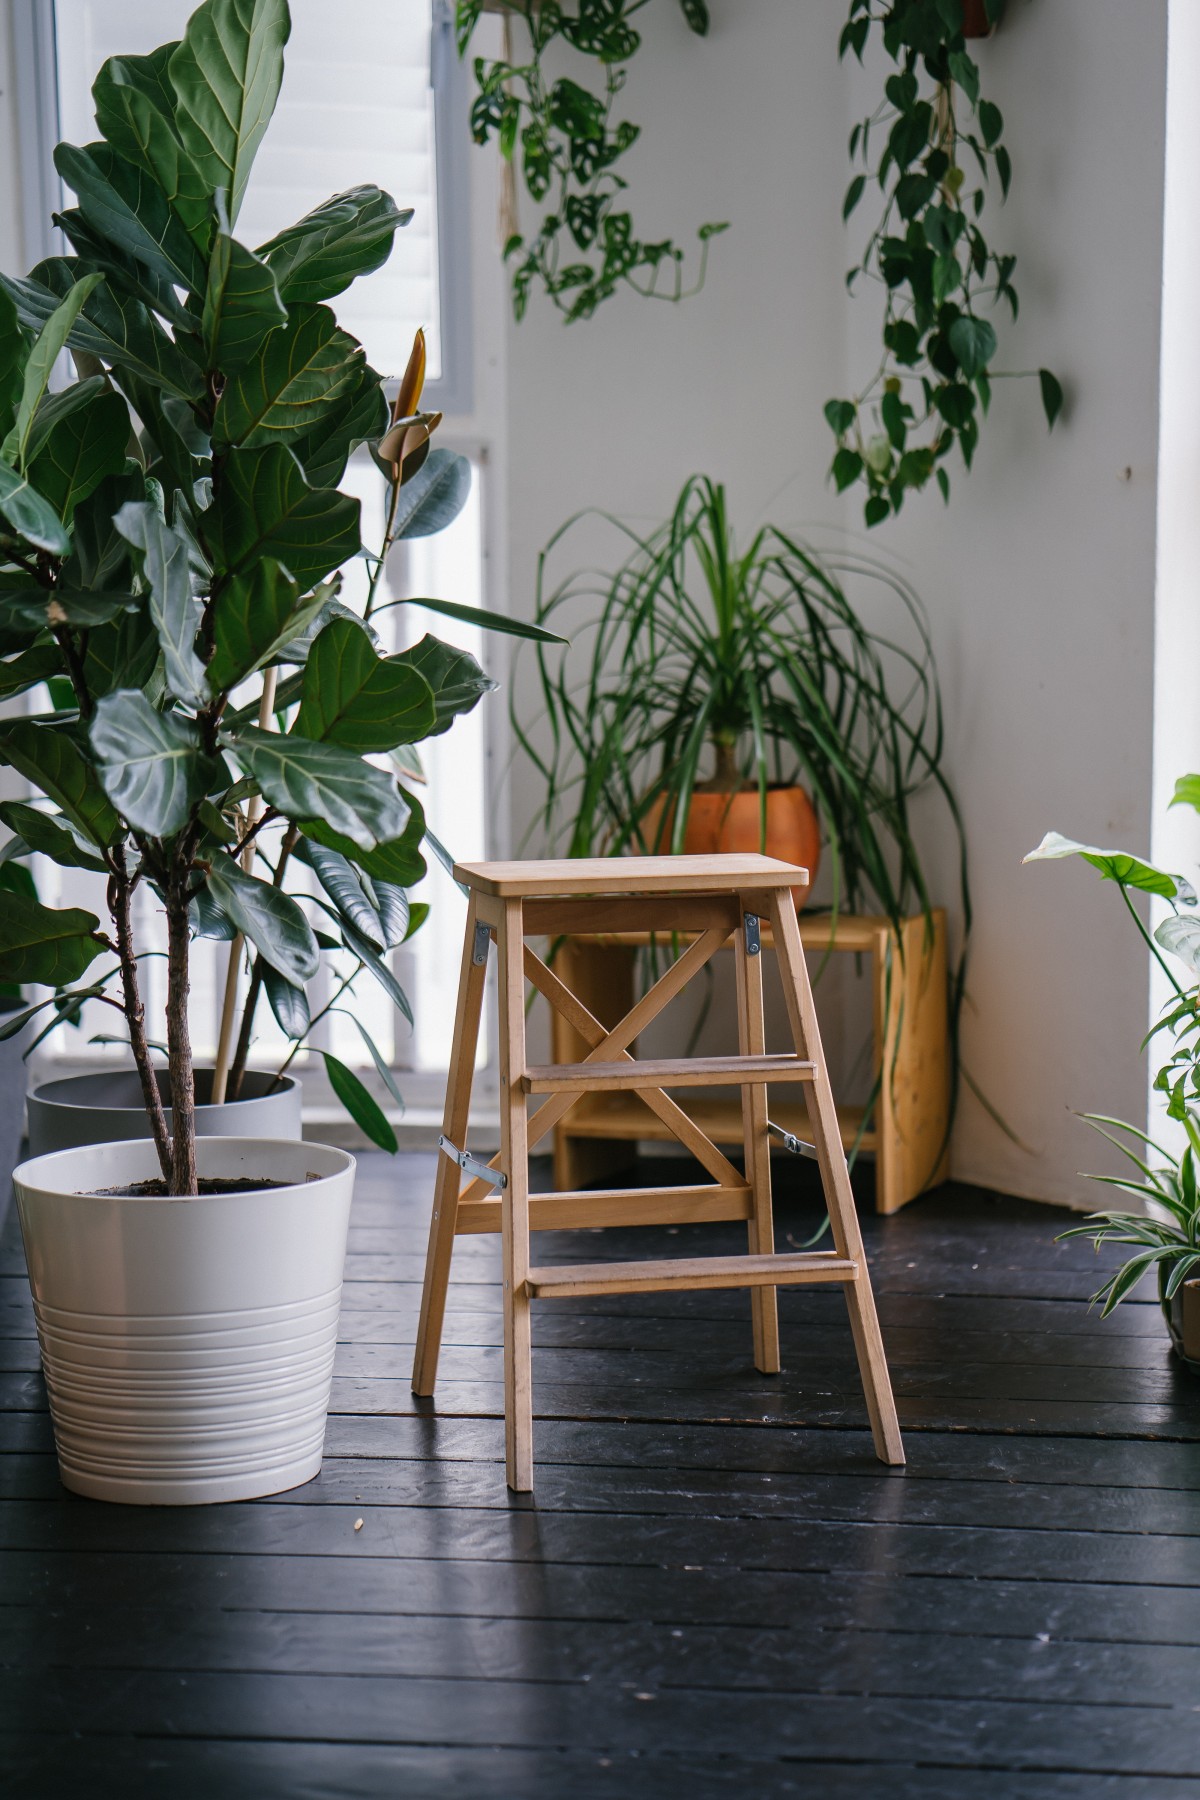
[(752, 1041), (472, 983), (514, 1161), (835, 1179)]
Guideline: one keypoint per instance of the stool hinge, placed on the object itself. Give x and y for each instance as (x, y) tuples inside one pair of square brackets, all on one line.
[(791, 1142), (483, 942), (750, 925), (471, 1165)]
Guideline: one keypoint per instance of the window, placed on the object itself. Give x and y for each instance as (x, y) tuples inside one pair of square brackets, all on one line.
[(372, 91)]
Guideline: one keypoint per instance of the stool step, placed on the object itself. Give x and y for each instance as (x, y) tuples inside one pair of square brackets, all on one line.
[(689, 1272), (665, 1072)]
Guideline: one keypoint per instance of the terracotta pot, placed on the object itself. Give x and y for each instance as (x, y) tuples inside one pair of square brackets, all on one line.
[(724, 823), (975, 20)]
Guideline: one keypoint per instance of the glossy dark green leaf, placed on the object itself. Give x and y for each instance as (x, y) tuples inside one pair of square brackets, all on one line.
[(47, 347), (265, 507), (356, 698), (118, 330), (435, 496), (289, 1003), (284, 387), (358, 416), (126, 276), (363, 1109), (176, 613), (270, 919), (395, 913), (348, 888), (135, 110), (399, 861), (100, 557), (973, 342), (50, 834), (311, 781), (78, 449), (1114, 865), (125, 206), (48, 758), (488, 621), (35, 607), (151, 763), (1052, 395), (44, 944), (255, 616), (36, 664), (241, 305), (29, 515), (384, 1072), (14, 347), (207, 920), (457, 681), (347, 236), (226, 75)]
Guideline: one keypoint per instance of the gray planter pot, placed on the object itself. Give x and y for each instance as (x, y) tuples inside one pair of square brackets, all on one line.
[(12, 1107), (106, 1108)]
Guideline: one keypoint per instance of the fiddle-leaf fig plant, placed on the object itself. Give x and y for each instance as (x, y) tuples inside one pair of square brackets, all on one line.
[(564, 138), (930, 147), (207, 717)]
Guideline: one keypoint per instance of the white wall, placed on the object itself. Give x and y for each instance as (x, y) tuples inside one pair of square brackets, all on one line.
[(1040, 575)]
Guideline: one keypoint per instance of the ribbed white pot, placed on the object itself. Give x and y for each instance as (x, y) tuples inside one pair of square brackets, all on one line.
[(187, 1344)]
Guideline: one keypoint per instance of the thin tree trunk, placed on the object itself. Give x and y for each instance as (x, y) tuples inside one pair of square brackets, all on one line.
[(179, 1042), (120, 894)]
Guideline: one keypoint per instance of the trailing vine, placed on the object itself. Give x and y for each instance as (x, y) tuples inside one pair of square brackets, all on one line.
[(568, 143), (934, 381)]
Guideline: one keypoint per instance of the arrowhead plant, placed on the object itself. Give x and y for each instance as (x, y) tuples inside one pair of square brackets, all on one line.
[(206, 717)]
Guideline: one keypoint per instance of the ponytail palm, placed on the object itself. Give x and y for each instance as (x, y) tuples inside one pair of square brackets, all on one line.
[(696, 656)]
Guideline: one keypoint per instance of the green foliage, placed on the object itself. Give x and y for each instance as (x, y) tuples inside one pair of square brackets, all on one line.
[(1165, 1238), (929, 253), (570, 144), (171, 525)]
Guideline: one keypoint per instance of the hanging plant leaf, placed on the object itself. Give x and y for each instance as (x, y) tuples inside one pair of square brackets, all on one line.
[(363, 1109)]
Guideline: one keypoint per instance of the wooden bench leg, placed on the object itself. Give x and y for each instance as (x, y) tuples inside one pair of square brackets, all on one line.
[(752, 1041), (472, 983), (514, 1161), (835, 1178)]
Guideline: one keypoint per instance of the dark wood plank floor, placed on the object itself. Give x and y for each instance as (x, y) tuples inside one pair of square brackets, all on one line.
[(717, 1591)]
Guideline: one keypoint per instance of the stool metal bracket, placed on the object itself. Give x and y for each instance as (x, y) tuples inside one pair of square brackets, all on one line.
[(753, 943), (791, 1142), (482, 944), (471, 1165)]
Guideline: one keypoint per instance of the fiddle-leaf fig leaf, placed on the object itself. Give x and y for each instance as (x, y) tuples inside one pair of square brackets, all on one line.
[(48, 758), (151, 763), (353, 697), (26, 511), (288, 381), (348, 235), (457, 681), (226, 75), (241, 305), (176, 613), (265, 507), (44, 944), (48, 347), (310, 781), (269, 918)]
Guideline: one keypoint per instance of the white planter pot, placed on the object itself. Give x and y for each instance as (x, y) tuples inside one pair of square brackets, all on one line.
[(107, 1107), (187, 1344)]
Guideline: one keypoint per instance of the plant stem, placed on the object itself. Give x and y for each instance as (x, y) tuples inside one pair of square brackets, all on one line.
[(120, 893), (387, 544), (181, 1072), (256, 819), (256, 979), (329, 1005)]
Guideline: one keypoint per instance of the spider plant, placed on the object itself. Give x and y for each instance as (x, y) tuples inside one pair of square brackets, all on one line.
[(696, 656)]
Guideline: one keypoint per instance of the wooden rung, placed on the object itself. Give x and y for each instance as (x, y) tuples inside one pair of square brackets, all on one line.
[(593, 1207), (664, 1072), (690, 1272)]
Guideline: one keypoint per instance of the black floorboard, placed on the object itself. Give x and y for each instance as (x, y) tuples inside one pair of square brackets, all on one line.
[(717, 1589)]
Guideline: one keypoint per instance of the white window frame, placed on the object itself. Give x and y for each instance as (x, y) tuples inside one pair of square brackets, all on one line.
[(36, 68)]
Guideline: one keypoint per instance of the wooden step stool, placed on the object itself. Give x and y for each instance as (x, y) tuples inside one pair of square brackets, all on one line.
[(718, 897)]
